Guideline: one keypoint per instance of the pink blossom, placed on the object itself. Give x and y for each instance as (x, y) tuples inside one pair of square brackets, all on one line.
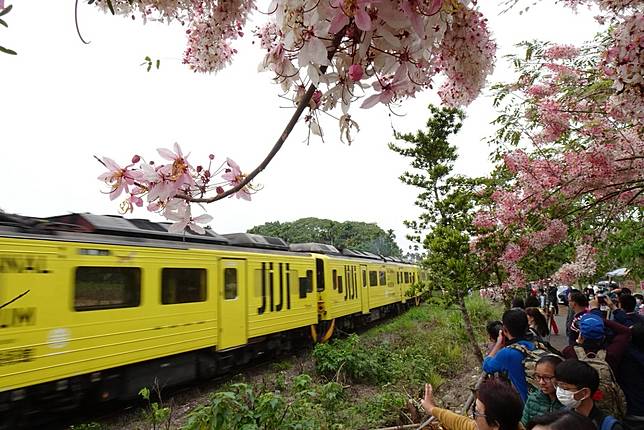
[(484, 220), (355, 72), (345, 9), (179, 211), (389, 89), (234, 176), (118, 178), (557, 52)]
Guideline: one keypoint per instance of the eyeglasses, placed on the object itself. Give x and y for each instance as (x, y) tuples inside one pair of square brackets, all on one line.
[(476, 413), (543, 378)]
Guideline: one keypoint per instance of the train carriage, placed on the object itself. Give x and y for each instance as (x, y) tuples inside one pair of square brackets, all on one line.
[(97, 307)]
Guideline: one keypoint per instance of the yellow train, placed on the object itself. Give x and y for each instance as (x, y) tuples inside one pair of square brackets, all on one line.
[(96, 307)]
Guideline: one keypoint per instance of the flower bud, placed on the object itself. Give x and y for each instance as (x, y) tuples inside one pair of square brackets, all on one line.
[(355, 72), (136, 159)]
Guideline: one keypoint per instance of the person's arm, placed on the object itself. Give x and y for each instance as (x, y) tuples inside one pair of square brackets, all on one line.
[(527, 413), (448, 419), (451, 421), (620, 316), (495, 363)]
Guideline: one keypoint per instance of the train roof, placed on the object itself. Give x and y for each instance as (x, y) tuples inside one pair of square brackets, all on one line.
[(117, 230)]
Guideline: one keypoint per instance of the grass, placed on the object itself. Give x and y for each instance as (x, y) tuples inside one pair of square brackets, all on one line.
[(358, 382)]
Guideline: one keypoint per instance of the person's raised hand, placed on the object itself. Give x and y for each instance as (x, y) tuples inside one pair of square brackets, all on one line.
[(428, 400)]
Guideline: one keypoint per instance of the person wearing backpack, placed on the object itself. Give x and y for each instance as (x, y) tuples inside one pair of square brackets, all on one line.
[(505, 359), (544, 400), (593, 339), (631, 379), (577, 385), (604, 358)]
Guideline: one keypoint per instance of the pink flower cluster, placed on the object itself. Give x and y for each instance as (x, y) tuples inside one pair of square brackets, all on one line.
[(584, 265), (467, 56), (166, 187), (624, 64), (558, 52)]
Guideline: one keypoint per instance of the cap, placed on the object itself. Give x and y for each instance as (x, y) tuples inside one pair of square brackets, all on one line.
[(591, 327)]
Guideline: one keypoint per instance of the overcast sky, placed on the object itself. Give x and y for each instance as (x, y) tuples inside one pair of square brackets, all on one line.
[(63, 102)]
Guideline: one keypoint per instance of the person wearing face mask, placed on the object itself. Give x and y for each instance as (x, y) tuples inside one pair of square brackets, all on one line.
[(497, 407), (576, 385), (543, 400)]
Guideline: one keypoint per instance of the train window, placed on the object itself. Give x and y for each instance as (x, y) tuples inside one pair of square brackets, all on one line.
[(406, 277), (306, 284), (383, 277), (335, 279), (98, 288), (230, 283), (339, 284), (180, 285), (373, 278), (364, 278)]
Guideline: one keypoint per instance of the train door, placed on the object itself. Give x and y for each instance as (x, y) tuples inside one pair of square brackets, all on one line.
[(364, 290), (232, 304)]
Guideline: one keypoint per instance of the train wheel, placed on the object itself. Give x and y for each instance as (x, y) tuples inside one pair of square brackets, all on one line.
[(322, 331)]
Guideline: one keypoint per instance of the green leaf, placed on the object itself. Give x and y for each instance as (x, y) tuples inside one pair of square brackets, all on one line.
[(3, 23), (8, 51), (6, 10), (109, 5), (158, 64)]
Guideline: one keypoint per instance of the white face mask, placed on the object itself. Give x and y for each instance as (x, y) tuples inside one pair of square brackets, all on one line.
[(567, 398)]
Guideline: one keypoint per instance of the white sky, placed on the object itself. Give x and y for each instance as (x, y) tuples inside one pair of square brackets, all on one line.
[(61, 102)]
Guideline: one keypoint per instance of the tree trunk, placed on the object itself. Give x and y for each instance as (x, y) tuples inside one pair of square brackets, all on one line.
[(469, 329)]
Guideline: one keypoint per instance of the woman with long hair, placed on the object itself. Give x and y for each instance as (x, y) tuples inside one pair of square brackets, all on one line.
[(537, 323)]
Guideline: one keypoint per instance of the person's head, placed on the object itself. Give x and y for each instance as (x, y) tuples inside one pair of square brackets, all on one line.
[(544, 373), (532, 302), (518, 302), (639, 299), (561, 420), (493, 328), (592, 332), (637, 336), (515, 323), (576, 382), (578, 301), (537, 321), (627, 302), (498, 406), (625, 291)]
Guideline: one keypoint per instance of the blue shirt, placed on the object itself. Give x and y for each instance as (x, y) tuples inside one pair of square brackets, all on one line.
[(510, 362)]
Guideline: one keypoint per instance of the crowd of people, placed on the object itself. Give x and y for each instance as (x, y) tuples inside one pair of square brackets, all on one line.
[(595, 383)]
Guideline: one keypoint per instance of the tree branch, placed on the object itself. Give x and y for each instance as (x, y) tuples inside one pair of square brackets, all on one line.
[(280, 141)]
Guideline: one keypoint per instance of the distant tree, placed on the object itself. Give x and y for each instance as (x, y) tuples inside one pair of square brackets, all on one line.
[(349, 234), (448, 202)]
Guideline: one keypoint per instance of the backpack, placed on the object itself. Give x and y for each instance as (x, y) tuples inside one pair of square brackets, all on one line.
[(530, 359), (613, 400), (608, 422)]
